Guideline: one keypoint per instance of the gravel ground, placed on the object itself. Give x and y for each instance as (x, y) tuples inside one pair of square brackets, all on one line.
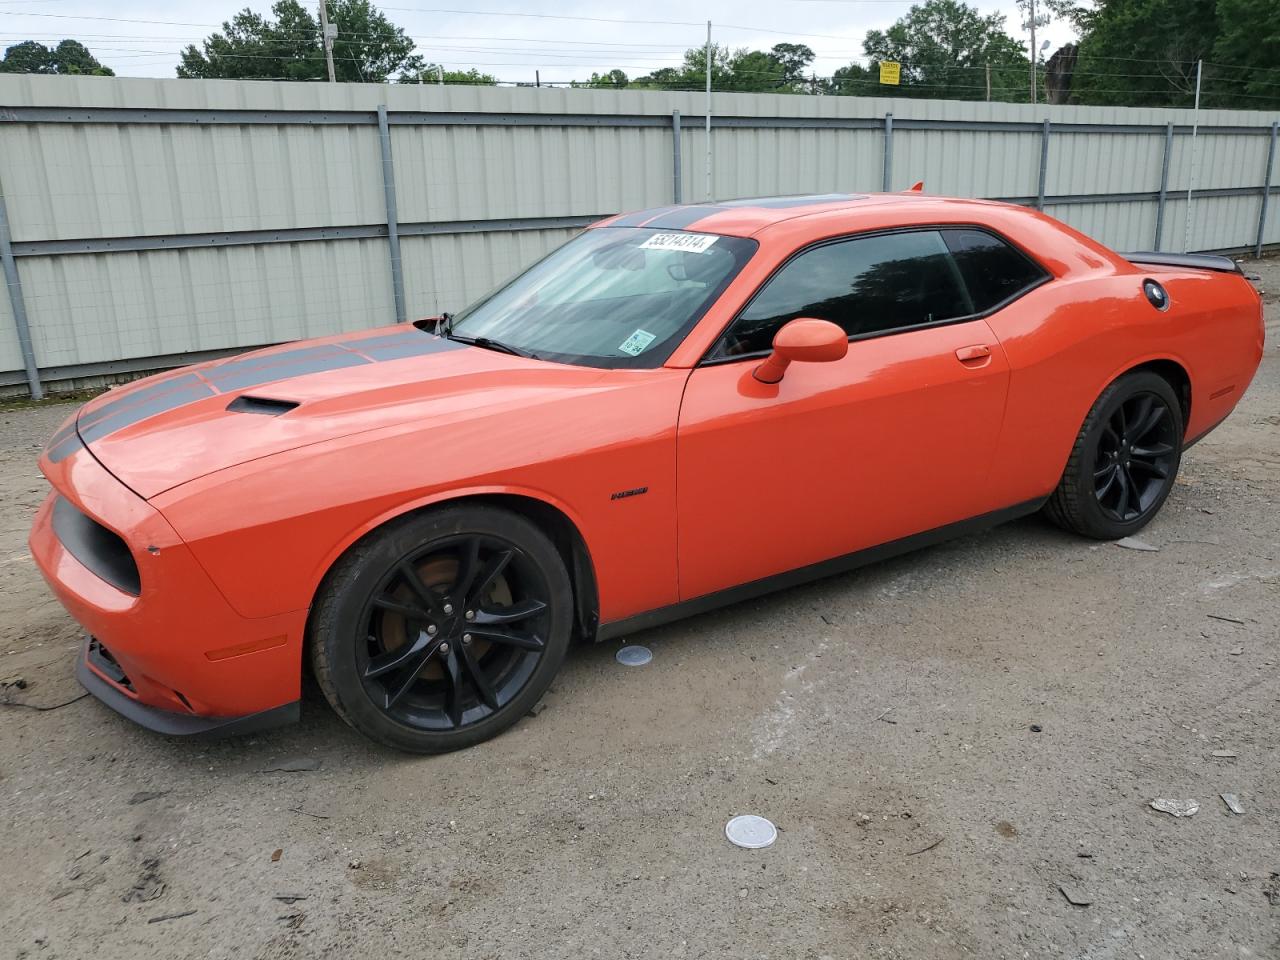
[(944, 741)]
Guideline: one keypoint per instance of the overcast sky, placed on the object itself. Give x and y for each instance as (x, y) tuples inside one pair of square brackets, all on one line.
[(142, 38)]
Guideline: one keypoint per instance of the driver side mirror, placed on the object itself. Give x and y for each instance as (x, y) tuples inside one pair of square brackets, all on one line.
[(813, 341)]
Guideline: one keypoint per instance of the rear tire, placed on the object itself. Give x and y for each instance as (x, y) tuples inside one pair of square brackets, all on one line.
[(443, 628), (1124, 461)]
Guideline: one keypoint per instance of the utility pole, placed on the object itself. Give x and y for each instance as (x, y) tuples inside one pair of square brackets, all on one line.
[(440, 74), (708, 111), (988, 82), (1195, 160), (327, 33), (1034, 51)]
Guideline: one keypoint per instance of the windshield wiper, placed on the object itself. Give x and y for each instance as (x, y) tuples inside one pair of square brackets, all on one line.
[(487, 344)]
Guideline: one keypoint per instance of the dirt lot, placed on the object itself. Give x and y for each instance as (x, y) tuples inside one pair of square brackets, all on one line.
[(1019, 696)]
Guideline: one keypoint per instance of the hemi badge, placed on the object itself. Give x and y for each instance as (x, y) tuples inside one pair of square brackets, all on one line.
[(623, 494)]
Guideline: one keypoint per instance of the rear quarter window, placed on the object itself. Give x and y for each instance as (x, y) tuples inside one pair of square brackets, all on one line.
[(994, 271)]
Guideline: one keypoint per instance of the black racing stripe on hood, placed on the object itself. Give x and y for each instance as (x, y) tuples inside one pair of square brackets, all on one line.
[(242, 374), (139, 396), (64, 448), (141, 411), (394, 346), (255, 371), (67, 431)]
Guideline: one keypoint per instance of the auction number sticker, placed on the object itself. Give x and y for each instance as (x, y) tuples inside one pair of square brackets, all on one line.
[(689, 242), (634, 345)]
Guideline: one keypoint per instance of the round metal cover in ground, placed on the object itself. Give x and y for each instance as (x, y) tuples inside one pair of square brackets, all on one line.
[(634, 656), (751, 832)]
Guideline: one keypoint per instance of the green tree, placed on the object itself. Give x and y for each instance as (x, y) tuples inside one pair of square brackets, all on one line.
[(795, 59), (692, 74), (613, 80), (1247, 53), (944, 47), (369, 47), (855, 80), (68, 57), (431, 74), (755, 71), (664, 78), (778, 70), (1144, 52)]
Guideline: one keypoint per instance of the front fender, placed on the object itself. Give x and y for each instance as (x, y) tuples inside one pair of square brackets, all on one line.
[(267, 531)]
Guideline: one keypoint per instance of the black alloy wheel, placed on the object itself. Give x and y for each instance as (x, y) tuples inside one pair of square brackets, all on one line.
[(1136, 456), (447, 642), (1124, 461), (442, 629)]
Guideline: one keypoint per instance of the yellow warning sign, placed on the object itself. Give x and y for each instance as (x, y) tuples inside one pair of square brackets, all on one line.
[(890, 72)]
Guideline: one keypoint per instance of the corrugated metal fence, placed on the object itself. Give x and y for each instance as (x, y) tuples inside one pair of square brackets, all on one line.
[(152, 222)]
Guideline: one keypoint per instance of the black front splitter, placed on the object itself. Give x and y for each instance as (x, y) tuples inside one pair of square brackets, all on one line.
[(172, 724)]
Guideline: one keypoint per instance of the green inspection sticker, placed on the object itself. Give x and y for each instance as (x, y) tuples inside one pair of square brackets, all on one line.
[(634, 345)]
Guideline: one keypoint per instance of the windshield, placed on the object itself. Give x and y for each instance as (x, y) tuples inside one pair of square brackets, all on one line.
[(610, 297)]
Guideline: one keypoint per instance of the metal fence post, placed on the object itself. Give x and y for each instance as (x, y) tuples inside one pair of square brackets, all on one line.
[(393, 223), (1266, 190), (1044, 164), (1164, 184), (887, 180), (676, 187), (14, 283)]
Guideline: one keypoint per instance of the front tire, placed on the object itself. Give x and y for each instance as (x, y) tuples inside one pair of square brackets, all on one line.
[(1124, 461), (442, 629)]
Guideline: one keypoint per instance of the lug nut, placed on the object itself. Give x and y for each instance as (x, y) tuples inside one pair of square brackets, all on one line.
[(466, 638), (448, 608), (471, 614), (431, 630), (444, 649)]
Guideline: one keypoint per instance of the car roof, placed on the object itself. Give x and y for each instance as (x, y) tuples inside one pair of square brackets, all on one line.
[(747, 217)]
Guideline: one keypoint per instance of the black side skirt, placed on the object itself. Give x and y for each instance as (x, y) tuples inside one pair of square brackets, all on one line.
[(816, 571), (173, 724)]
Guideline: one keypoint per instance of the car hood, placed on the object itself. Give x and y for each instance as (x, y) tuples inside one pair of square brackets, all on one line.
[(166, 430)]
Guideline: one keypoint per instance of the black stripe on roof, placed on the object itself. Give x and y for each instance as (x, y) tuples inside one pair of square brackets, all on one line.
[(640, 217), (682, 217), (783, 203)]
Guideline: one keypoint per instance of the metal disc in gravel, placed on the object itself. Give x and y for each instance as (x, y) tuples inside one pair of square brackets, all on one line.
[(635, 656), (751, 832)]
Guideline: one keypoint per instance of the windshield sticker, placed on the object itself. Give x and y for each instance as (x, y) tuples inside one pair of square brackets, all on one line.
[(634, 345), (689, 242)]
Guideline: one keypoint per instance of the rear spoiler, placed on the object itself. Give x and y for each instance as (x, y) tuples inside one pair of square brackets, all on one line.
[(1194, 261)]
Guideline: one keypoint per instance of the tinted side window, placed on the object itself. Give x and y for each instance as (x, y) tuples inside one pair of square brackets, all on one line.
[(992, 269), (865, 285)]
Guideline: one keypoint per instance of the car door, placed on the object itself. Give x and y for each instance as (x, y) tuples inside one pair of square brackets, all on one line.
[(892, 440)]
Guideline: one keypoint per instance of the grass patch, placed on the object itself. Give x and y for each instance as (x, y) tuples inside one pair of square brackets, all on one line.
[(10, 404)]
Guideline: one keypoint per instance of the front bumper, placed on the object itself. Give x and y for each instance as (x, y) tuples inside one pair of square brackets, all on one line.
[(171, 723), (194, 665)]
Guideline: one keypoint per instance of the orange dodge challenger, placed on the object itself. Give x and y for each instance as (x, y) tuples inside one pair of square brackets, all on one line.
[(677, 409)]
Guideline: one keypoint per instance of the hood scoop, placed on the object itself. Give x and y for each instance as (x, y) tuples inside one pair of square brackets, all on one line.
[(265, 406)]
